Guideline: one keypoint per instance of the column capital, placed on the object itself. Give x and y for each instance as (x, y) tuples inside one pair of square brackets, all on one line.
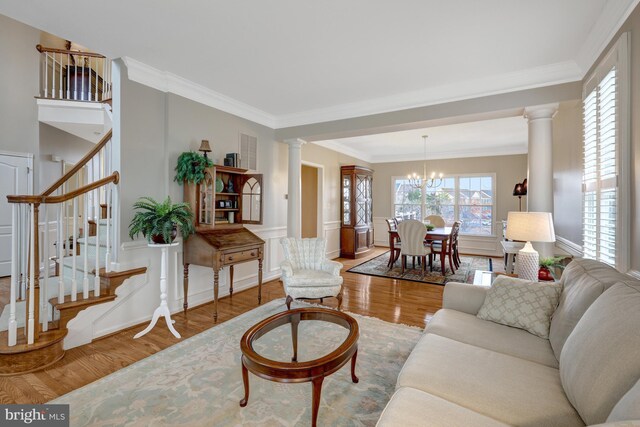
[(295, 142), (546, 111)]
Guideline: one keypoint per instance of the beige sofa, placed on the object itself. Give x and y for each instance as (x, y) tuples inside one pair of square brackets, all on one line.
[(470, 372)]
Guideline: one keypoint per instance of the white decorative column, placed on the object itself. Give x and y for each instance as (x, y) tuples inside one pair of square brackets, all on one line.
[(540, 164), (294, 207)]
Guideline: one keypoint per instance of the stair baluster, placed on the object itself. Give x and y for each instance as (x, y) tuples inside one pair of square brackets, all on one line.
[(60, 254), (46, 76), (96, 280), (85, 252), (107, 258), (74, 251), (13, 325), (44, 301), (32, 276)]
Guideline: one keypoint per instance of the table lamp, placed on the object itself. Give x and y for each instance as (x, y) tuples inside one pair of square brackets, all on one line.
[(529, 227)]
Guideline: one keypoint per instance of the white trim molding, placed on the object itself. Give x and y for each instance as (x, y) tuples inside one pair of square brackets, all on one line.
[(168, 82), (569, 246), (634, 273)]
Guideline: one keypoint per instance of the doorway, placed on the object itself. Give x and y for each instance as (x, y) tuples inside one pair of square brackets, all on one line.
[(15, 178), (309, 187)]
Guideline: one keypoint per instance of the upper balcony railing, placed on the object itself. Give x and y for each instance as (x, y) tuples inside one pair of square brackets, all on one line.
[(74, 75)]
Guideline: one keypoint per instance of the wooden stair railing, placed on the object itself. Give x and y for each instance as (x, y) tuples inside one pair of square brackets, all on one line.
[(64, 75), (84, 257)]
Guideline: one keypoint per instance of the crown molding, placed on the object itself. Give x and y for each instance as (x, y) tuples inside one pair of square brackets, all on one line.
[(511, 150), (548, 75), (453, 154), (341, 148), (169, 82), (614, 14)]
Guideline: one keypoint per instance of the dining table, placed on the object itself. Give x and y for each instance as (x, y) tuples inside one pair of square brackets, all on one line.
[(441, 234)]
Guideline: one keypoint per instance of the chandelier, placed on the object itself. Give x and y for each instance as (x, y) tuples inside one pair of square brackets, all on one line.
[(421, 181)]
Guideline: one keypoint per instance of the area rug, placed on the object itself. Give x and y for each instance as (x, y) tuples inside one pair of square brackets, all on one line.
[(468, 265), (198, 382)]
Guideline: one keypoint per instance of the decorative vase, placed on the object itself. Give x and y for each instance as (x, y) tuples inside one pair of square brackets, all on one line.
[(158, 239), (544, 275)]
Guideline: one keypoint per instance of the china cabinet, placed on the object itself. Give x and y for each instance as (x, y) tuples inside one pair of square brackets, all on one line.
[(356, 232)]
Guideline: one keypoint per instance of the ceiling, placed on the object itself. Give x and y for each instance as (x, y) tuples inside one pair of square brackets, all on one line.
[(474, 139), (290, 62)]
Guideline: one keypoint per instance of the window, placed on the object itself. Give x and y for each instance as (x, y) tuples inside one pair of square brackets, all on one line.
[(605, 150), (465, 198)]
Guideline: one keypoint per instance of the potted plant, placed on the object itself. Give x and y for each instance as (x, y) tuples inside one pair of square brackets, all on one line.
[(158, 221), (430, 227), (191, 166), (548, 267)]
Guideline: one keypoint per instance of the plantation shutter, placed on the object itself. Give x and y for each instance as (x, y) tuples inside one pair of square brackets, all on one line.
[(604, 131)]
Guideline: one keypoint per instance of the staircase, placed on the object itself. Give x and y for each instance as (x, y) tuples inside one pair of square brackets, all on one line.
[(43, 300)]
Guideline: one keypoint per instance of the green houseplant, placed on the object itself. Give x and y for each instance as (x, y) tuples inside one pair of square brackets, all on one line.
[(158, 221), (191, 166), (548, 267)]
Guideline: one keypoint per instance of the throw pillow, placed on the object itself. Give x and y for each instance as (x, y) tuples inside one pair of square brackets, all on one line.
[(521, 304)]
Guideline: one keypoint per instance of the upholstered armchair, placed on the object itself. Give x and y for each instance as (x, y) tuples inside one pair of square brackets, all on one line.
[(307, 273)]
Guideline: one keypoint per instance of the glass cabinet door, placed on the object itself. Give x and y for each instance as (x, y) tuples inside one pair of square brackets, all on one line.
[(346, 200), (205, 200)]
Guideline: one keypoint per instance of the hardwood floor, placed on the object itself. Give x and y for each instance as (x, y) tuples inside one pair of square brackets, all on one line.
[(391, 300)]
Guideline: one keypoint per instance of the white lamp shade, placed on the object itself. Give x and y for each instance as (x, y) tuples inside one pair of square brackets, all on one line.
[(530, 227)]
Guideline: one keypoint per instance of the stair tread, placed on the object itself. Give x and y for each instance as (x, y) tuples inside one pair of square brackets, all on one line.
[(80, 301), (91, 263), (91, 241), (45, 339)]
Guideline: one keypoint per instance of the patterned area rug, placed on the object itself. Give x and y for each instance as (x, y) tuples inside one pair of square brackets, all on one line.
[(468, 265), (198, 382)]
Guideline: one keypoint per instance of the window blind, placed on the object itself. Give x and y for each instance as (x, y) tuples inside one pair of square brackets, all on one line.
[(600, 170)]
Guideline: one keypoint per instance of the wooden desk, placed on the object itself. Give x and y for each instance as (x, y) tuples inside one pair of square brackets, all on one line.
[(218, 249), (442, 234)]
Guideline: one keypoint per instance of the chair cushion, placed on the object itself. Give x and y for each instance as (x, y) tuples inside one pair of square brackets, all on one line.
[(506, 388), (583, 281), (469, 329), (521, 304), (410, 407), (313, 278), (313, 292), (599, 362)]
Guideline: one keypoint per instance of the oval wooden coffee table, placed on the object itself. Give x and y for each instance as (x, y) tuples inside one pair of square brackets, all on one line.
[(294, 371)]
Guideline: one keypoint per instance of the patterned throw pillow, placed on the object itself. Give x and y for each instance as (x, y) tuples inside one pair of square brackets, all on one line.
[(521, 304)]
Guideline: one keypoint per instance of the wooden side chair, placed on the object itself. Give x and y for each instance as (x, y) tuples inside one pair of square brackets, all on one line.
[(452, 247), (392, 224), (412, 234), (435, 220)]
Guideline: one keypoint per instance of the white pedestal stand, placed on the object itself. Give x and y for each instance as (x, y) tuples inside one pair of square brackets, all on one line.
[(163, 309)]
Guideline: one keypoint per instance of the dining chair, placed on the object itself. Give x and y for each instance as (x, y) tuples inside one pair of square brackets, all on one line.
[(412, 234), (452, 247), (393, 226), (435, 220)]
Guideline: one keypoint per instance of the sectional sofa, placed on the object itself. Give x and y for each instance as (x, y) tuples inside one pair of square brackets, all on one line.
[(466, 371)]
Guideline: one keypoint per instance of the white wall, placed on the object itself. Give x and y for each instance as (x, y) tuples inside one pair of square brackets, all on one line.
[(19, 74)]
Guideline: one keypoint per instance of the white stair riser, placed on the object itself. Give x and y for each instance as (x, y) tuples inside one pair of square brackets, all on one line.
[(91, 252)]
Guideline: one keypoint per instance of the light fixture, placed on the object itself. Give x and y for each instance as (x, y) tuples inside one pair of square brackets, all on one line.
[(520, 190), (420, 182), (205, 148), (529, 227)]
